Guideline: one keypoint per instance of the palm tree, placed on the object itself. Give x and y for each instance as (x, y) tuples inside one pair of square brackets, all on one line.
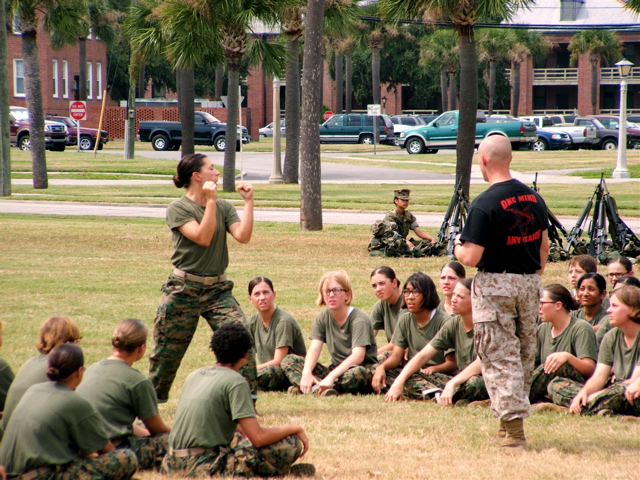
[(464, 16), (493, 47), (292, 27), (5, 151), (440, 49), (65, 20), (310, 186), (602, 46), (234, 19), (524, 44)]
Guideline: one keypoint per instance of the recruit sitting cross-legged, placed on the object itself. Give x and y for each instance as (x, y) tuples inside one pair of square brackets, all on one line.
[(55, 331), (348, 334), (566, 345), (604, 392), (450, 274), (216, 431), (389, 306), (414, 330), (54, 433), (275, 333), (122, 394)]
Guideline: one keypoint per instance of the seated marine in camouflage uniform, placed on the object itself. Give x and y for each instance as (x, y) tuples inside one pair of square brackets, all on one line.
[(619, 354), (566, 344), (216, 431), (54, 433), (390, 236), (404, 219), (414, 330), (348, 333), (455, 336), (275, 334), (121, 394)]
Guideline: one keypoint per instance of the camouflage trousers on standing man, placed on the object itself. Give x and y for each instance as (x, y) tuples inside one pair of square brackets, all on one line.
[(562, 392), (182, 304), (540, 381), (355, 380), (505, 312), (239, 458)]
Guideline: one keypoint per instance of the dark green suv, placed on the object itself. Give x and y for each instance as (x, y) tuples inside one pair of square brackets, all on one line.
[(356, 128)]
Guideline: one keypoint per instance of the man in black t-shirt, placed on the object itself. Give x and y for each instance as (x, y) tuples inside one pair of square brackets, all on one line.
[(505, 237)]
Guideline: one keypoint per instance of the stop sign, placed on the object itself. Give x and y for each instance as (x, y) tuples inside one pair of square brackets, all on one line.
[(78, 110), (327, 115)]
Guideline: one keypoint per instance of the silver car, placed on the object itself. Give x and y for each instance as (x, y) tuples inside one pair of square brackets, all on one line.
[(268, 130)]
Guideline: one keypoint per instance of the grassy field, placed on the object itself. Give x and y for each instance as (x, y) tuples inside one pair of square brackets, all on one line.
[(100, 271), (563, 199)]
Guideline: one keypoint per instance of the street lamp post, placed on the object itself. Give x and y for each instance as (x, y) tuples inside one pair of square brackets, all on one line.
[(276, 171), (621, 170)]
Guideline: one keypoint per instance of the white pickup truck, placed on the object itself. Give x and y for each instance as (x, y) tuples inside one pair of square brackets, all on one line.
[(580, 136)]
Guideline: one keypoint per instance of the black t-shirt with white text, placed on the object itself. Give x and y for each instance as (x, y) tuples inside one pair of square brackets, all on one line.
[(508, 220)]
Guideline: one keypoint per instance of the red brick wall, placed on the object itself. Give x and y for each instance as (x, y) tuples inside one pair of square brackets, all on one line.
[(115, 117), (96, 54)]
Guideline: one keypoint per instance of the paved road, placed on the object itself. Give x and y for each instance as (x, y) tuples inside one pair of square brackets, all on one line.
[(340, 217), (258, 168)]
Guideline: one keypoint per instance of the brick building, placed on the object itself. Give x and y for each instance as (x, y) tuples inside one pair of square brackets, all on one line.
[(553, 85), (59, 72)]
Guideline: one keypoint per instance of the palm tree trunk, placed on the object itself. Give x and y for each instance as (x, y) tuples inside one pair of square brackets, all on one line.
[(443, 90), (339, 81), (134, 68), (233, 99), (468, 106), (219, 80), (292, 111), (375, 74), (310, 167), (492, 85), (82, 72), (33, 93), (594, 88), (186, 96), (348, 81), (141, 83), (515, 72), (5, 145), (452, 91)]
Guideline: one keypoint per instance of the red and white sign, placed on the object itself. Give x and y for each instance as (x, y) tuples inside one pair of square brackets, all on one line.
[(327, 115), (78, 110)]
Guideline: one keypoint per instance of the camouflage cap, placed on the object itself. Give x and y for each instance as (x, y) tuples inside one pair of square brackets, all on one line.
[(402, 194)]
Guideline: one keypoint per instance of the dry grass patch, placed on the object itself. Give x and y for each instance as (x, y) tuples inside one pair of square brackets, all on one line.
[(99, 271)]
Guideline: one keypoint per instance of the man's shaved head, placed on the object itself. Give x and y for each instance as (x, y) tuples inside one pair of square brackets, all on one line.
[(496, 149)]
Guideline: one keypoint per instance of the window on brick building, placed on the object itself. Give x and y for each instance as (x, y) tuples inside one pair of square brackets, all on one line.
[(569, 9), (18, 78), (99, 81), (65, 79), (16, 24), (55, 78), (89, 80)]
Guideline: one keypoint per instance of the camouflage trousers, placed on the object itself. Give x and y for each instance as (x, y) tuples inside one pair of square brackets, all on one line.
[(505, 311), (540, 381), (181, 306), (472, 390), (114, 465), (562, 392), (355, 380), (239, 458), (272, 378), (149, 450)]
